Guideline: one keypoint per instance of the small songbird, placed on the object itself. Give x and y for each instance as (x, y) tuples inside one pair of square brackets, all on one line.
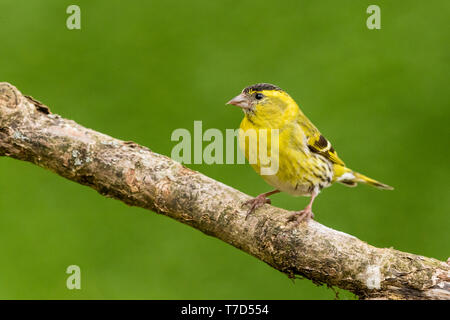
[(307, 162)]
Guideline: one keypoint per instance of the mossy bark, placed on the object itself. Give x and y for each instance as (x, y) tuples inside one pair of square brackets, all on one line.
[(139, 177)]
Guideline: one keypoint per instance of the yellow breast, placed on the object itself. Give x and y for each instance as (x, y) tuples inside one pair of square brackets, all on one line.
[(299, 171)]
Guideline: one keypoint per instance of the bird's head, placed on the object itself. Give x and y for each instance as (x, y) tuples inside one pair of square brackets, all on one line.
[(266, 104)]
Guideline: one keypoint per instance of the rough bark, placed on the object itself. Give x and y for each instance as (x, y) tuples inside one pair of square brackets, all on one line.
[(139, 177)]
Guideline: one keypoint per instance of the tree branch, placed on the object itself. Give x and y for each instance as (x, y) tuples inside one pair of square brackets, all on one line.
[(140, 177)]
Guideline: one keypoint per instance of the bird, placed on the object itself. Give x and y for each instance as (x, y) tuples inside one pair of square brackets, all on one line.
[(307, 162)]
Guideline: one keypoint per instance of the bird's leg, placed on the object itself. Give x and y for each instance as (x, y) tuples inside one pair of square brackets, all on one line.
[(306, 213), (257, 202)]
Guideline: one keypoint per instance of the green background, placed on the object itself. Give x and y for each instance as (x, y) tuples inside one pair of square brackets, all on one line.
[(138, 70)]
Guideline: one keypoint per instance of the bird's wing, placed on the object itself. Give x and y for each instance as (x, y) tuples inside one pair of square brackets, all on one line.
[(318, 144)]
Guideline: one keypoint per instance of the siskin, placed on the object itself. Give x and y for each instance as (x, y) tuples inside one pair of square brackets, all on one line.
[(307, 162)]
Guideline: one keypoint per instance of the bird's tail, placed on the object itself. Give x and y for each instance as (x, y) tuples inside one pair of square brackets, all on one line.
[(351, 178)]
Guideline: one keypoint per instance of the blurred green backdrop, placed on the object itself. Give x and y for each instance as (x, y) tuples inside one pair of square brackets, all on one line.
[(139, 70)]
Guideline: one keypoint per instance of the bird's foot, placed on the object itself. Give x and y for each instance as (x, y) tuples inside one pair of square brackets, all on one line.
[(303, 215), (256, 203)]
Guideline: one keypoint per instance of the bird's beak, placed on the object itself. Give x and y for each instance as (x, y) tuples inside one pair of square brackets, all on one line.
[(240, 101)]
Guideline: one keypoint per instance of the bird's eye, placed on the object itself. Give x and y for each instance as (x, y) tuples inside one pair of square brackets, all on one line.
[(259, 96)]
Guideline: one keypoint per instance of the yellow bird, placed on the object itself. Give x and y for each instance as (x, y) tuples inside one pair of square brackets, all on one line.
[(306, 161)]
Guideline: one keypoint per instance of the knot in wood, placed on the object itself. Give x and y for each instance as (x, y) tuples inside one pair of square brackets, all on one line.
[(8, 96)]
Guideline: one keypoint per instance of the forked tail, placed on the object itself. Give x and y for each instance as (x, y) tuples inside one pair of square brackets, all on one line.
[(351, 178)]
